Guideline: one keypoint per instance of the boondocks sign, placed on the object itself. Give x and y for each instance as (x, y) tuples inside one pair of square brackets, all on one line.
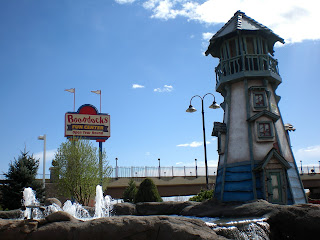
[(87, 123)]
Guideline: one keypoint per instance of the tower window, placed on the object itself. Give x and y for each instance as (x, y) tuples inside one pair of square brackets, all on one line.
[(250, 45), (265, 130), (232, 48), (259, 100)]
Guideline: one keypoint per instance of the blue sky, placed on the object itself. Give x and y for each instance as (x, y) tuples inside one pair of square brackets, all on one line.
[(147, 58)]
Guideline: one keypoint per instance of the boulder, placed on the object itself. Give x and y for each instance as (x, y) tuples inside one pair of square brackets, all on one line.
[(11, 214), (162, 208), (60, 216), (295, 222), (126, 208), (214, 208), (16, 229), (125, 227), (50, 201)]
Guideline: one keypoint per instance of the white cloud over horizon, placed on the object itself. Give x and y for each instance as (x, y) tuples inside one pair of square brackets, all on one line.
[(192, 144), (125, 1), (292, 20), (165, 88), (135, 86), (308, 156), (49, 156)]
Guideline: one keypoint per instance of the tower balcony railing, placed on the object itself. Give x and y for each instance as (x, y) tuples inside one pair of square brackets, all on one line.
[(246, 63)]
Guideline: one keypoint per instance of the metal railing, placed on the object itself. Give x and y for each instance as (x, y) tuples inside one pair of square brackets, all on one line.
[(129, 172), (39, 176), (246, 62), (309, 170)]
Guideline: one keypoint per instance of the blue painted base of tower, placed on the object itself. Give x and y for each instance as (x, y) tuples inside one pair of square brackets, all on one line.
[(238, 182)]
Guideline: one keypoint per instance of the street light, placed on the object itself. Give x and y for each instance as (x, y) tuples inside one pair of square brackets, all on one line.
[(159, 167), (191, 109), (196, 168), (116, 168), (44, 138), (301, 167)]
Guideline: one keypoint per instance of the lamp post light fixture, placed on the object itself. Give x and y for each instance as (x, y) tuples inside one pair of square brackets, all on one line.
[(191, 109), (301, 167), (159, 167), (44, 138)]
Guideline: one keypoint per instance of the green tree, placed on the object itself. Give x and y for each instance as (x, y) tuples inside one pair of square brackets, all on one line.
[(21, 174), (130, 192), (147, 192), (202, 196), (76, 165)]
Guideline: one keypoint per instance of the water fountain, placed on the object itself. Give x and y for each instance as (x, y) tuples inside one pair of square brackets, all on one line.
[(32, 210), (31, 204), (103, 204), (235, 229), (257, 229)]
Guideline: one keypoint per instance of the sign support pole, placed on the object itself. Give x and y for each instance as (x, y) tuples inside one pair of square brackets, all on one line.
[(100, 162)]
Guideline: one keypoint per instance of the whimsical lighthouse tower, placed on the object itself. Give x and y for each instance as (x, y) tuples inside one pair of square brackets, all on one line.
[(255, 157)]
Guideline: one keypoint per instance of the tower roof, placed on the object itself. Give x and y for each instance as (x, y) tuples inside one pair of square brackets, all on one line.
[(240, 22)]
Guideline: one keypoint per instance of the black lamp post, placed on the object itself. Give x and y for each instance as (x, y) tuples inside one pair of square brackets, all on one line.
[(159, 167), (196, 168), (301, 167), (191, 109), (116, 168)]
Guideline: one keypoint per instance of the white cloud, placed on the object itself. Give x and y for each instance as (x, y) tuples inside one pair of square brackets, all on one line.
[(49, 155), (293, 20), (207, 36), (125, 1), (308, 156), (165, 88), (193, 144), (137, 86)]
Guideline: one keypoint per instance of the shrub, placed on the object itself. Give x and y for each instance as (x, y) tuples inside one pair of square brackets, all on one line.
[(147, 192), (130, 192), (202, 196)]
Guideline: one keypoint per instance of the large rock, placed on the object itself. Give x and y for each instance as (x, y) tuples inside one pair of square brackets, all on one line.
[(295, 222), (126, 208), (11, 214), (128, 227), (163, 208), (213, 208), (60, 216), (16, 229), (50, 201)]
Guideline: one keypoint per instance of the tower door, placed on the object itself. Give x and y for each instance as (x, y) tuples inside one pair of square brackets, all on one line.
[(275, 183)]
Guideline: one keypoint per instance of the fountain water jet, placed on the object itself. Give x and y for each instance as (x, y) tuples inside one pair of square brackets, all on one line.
[(103, 206), (31, 204)]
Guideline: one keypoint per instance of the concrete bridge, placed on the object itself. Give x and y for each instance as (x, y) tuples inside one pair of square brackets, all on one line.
[(174, 181), (191, 185)]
